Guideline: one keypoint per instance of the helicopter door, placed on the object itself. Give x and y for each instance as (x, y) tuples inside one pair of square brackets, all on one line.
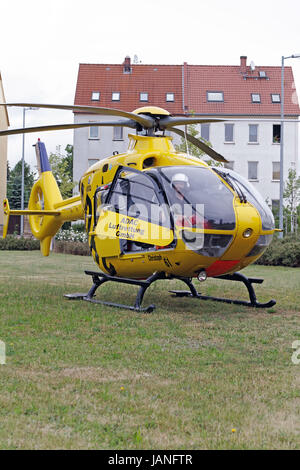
[(134, 217)]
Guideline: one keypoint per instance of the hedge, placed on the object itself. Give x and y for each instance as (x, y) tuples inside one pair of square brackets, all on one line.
[(12, 242), (16, 243), (282, 252), (71, 248)]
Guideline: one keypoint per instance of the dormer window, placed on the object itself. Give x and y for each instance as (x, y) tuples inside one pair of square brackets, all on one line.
[(143, 96), (262, 74), (115, 96), (170, 97), (95, 96), (255, 97), (275, 97), (215, 96)]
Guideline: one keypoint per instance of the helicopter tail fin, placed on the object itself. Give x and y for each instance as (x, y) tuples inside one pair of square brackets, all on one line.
[(47, 210), (44, 196)]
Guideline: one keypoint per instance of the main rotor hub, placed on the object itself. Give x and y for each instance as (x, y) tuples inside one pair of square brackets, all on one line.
[(154, 111)]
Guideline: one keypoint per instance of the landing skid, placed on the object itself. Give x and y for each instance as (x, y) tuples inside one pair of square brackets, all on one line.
[(101, 278), (248, 281)]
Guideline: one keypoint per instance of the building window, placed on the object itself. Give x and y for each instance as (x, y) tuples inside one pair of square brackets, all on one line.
[(95, 96), (253, 133), (229, 133), (276, 133), (170, 97), (275, 206), (262, 74), (94, 133), (275, 98), (115, 96), (229, 165), (92, 161), (143, 96), (205, 132), (252, 170), (255, 97), (215, 96), (118, 133), (276, 171)]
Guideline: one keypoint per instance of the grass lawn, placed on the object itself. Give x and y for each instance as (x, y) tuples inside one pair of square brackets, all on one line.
[(80, 375)]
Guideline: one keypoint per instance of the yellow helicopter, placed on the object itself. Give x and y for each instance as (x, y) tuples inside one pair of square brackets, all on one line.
[(153, 213)]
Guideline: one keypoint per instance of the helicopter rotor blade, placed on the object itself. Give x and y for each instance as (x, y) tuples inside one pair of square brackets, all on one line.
[(201, 145), (55, 127), (143, 120), (169, 122)]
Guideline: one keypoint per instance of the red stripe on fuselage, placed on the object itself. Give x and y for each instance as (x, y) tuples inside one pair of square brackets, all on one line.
[(221, 267)]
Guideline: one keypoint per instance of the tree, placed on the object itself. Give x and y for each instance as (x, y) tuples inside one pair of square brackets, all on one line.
[(62, 168), (291, 195), (187, 147), (69, 158), (14, 184), (8, 170)]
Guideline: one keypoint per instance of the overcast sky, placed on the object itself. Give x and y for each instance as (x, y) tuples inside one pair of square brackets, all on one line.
[(42, 44)]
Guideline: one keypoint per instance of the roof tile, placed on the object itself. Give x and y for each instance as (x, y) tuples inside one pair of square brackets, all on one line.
[(157, 80)]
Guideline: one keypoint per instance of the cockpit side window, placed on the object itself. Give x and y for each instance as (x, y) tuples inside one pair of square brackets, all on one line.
[(136, 195), (100, 199)]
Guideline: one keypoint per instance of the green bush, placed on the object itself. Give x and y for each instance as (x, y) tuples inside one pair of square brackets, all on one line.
[(12, 242), (79, 227), (282, 252), (71, 248)]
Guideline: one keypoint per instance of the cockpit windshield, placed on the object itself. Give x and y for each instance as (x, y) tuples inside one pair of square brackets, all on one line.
[(188, 187)]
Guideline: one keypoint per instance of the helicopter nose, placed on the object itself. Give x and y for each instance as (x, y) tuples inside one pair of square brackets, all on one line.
[(247, 232)]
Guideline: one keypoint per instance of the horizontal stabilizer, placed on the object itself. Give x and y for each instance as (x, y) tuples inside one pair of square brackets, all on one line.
[(8, 212)]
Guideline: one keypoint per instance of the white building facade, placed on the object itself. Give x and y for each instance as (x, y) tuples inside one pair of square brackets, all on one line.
[(253, 150), (247, 98)]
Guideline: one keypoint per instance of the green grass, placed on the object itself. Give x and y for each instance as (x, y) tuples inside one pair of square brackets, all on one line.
[(80, 375)]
